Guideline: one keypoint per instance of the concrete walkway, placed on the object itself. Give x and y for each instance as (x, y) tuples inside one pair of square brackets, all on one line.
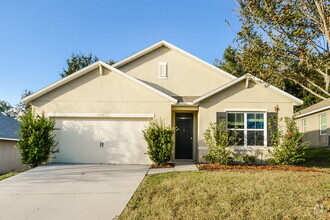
[(70, 191), (179, 166)]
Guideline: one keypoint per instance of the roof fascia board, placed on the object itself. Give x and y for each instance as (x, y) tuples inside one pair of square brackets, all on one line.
[(207, 95), (9, 139), (138, 54), (199, 60), (93, 66), (61, 82), (255, 79), (312, 112), (170, 46), (139, 82)]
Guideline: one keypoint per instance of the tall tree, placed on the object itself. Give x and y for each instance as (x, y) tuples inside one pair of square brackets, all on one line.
[(17, 110), (4, 107), (76, 62), (287, 40), (230, 62)]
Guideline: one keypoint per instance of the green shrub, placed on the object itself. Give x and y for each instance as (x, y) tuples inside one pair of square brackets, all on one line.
[(288, 146), (249, 159), (221, 144), (160, 141), (37, 141)]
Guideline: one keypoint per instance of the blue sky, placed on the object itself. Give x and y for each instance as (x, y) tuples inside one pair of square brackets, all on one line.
[(36, 37)]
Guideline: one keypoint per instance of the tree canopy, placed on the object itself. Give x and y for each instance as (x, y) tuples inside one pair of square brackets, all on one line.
[(76, 62), (286, 40), (17, 110)]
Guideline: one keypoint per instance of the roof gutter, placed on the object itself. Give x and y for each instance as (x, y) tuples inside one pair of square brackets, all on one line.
[(9, 139)]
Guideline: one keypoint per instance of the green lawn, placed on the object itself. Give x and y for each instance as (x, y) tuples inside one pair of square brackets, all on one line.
[(317, 158), (13, 173), (231, 195), (236, 195)]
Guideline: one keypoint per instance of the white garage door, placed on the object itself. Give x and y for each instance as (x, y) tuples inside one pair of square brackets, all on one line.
[(114, 141)]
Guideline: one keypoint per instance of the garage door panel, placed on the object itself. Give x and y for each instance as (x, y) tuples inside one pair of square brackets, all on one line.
[(123, 143)]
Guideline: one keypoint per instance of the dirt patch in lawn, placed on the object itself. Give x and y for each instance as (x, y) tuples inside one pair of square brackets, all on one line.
[(169, 165), (218, 167)]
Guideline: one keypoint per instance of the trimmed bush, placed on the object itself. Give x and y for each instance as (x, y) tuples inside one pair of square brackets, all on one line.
[(160, 141), (37, 141)]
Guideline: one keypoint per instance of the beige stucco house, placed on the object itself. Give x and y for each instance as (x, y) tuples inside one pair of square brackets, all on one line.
[(314, 121), (101, 109)]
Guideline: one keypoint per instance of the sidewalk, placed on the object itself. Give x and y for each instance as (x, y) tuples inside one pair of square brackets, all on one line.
[(179, 166)]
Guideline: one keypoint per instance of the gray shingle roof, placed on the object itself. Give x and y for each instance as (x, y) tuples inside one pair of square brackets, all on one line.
[(9, 127), (315, 107)]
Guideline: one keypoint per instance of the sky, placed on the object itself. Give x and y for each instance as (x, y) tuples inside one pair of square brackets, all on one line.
[(36, 37)]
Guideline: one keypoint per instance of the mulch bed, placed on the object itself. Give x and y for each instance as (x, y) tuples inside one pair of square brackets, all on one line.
[(169, 165), (218, 167)]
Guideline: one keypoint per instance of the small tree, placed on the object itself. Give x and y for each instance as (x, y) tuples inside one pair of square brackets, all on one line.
[(221, 144), (288, 145), (160, 141), (37, 141)]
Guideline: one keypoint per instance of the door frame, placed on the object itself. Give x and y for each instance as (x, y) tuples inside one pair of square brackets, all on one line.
[(195, 134)]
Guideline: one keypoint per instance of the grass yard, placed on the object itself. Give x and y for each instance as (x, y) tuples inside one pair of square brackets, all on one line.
[(10, 174), (231, 195), (317, 158)]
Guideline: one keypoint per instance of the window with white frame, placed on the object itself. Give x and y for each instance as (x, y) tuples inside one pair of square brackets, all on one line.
[(304, 125), (162, 69), (249, 129), (323, 124)]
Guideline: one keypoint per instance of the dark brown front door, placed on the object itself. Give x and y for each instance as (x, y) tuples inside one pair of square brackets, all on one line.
[(184, 136)]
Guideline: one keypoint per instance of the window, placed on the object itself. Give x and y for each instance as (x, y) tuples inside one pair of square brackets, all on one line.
[(248, 128), (323, 124), (162, 69), (304, 125)]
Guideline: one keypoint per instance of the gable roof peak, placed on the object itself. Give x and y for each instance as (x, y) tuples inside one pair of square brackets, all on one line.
[(171, 47), (98, 64), (295, 100)]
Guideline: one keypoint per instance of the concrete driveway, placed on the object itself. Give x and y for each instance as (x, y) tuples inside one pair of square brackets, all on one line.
[(70, 191)]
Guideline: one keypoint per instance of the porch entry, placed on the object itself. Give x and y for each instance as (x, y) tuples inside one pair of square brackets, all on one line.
[(184, 136)]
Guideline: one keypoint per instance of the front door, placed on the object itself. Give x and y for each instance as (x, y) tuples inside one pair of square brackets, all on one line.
[(184, 136)]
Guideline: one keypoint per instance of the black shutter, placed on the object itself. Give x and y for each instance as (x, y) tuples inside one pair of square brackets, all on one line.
[(221, 116), (272, 121)]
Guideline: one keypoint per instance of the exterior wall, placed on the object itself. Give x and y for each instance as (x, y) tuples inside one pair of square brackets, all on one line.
[(10, 158), (313, 129), (238, 97), (186, 76), (110, 93)]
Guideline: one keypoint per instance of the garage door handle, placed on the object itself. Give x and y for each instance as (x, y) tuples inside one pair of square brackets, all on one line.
[(101, 144)]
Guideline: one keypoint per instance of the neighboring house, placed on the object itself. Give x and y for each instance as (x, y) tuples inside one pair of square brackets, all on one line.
[(314, 121), (10, 158), (101, 109)]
